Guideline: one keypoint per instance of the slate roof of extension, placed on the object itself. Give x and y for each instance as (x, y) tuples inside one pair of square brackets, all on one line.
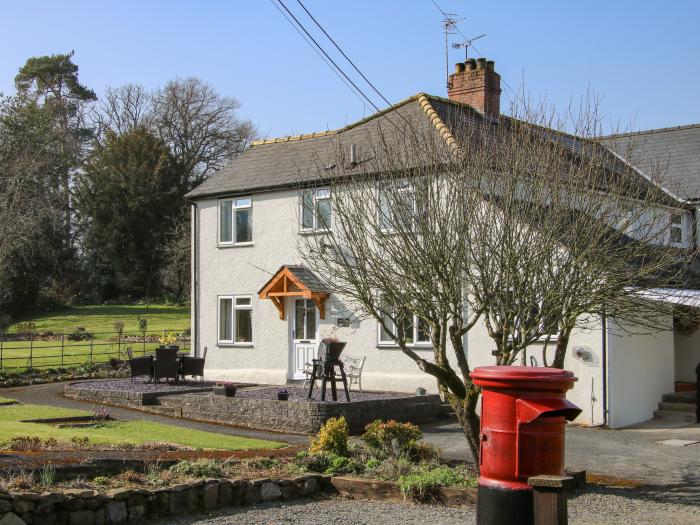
[(288, 161), (675, 153)]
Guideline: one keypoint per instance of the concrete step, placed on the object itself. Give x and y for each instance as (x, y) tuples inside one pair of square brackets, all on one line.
[(679, 397), (673, 415), (678, 407), (446, 412)]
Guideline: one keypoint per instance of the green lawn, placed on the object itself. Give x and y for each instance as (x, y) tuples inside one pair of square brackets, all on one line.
[(115, 432), (101, 318), (99, 321), (4, 400)]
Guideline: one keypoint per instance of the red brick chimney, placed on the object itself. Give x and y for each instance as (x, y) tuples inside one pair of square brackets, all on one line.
[(475, 82)]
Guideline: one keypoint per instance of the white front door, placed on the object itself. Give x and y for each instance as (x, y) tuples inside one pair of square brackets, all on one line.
[(304, 340)]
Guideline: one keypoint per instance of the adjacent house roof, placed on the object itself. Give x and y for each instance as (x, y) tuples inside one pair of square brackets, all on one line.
[(672, 153)]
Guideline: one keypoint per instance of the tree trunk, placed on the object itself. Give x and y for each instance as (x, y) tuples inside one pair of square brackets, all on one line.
[(562, 345), (465, 410)]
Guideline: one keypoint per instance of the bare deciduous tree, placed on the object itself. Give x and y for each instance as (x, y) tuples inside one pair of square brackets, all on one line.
[(513, 223), (200, 126)]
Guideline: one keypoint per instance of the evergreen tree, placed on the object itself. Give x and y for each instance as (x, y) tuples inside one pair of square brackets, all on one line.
[(126, 201)]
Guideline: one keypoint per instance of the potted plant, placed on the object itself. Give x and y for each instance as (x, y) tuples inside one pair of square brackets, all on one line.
[(332, 348), (225, 389), (282, 394)]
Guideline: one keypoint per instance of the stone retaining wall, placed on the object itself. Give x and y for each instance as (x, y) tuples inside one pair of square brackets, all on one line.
[(88, 507), (304, 417), (124, 398), (293, 416)]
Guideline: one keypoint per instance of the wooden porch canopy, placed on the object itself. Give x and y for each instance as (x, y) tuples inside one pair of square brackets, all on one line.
[(295, 281)]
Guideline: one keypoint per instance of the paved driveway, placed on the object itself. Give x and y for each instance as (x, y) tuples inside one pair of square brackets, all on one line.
[(631, 453)]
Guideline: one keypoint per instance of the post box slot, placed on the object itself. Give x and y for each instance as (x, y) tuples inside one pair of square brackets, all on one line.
[(527, 410)]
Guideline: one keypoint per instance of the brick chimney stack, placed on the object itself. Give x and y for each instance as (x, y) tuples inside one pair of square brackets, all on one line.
[(475, 82)]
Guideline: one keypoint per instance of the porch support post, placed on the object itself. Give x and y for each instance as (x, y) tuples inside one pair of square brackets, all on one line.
[(279, 303)]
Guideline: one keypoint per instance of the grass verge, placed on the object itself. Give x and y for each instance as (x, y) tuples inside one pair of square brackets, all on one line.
[(101, 318), (132, 432)]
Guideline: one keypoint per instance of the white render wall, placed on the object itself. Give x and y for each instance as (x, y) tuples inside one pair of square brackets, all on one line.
[(244, 270), (641, 370), (687, 355)]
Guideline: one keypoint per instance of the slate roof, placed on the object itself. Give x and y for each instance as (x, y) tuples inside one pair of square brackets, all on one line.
[(291, 161), (674, 153), (304, 275), (308, 278)]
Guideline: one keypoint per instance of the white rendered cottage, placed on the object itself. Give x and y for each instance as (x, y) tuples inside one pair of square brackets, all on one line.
[(261, 314)]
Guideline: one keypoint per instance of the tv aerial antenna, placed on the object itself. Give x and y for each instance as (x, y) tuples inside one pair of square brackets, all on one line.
[(466, 44), (449, 26)]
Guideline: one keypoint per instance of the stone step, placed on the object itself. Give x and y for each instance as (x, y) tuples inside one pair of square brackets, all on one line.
[(172, 411), (673, 415), (678, 407), (171, 401), (679, 397)]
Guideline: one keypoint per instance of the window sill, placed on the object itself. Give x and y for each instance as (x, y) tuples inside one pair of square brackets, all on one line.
[(391, 346), (235, 245), (315, 232), (235, 345)]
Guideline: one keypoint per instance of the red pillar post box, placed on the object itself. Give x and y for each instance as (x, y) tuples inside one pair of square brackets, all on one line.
[(523, 417)]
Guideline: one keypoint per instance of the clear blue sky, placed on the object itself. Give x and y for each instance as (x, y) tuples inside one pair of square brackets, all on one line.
[(642, 57)]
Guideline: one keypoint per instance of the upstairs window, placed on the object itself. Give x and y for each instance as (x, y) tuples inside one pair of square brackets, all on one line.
[(235, 221), (677, 229), (235, 320), (397, 207), (316, 210)]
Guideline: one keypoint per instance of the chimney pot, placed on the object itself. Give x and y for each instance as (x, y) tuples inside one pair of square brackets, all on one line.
[(490, 64), (459, 67), (481, 63), (470, 63)]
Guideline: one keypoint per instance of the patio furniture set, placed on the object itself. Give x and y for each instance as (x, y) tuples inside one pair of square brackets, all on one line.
[(167, 363)]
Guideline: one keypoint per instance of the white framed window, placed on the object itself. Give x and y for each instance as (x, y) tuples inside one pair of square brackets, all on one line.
[(677, 229), (235, 320), (397, 207), (416, 330), (236, 221), (316, 210)]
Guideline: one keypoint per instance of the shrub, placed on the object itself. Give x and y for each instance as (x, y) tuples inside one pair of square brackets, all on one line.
[(263, 463), (169, 339), (100, 415), (424, 485), (101, 480), (333, 437), (26, 327), (118, 327), (391, 438), (201, 468), (314, 462), (80, 334), (393, 468)]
